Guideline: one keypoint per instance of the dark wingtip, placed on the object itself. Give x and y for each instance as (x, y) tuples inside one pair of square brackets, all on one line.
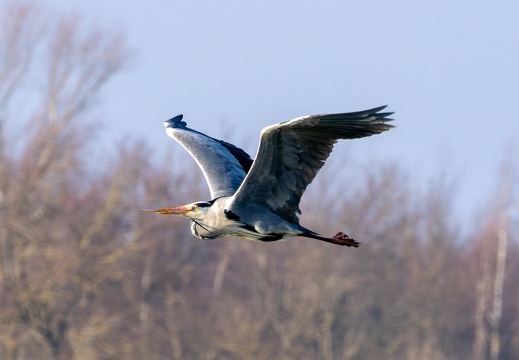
[(382, 115), (376, 110), (175, 122)]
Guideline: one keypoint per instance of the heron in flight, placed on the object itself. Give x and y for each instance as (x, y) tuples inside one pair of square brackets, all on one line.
[(259, 199)]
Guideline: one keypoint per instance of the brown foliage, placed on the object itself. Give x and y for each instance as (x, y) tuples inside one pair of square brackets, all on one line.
[(85, 275)]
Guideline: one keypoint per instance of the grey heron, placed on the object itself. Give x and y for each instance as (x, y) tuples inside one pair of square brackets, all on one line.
[(259, 199)]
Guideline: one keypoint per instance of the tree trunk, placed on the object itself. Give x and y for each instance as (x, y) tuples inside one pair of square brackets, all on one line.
[(497, 305)]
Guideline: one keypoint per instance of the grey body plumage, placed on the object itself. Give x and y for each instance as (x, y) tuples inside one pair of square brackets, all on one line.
[(259, 199)]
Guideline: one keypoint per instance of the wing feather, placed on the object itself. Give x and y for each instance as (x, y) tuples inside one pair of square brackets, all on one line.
[(223, 164), (291, 154)]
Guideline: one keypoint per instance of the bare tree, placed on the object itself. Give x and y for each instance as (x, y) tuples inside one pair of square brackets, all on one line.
[(85, 275), (45, 265), (497, 301), (483, 284), (506, 206)]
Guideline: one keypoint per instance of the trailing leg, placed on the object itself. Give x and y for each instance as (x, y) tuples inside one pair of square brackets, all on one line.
[(338, 239)]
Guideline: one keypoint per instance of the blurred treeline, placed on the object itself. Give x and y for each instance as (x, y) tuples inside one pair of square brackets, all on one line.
[(85, 275)]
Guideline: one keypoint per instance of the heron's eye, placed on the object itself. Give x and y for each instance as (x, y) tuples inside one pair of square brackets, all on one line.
[(194, 208)]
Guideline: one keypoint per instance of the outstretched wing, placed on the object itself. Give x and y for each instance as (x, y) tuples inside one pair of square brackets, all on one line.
[(291, 153), (223, 164)]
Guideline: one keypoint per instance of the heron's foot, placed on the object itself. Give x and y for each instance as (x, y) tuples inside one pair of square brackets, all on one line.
[(344, 240)]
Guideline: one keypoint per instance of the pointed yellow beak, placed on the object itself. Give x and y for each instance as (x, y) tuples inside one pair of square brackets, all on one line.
[(175, 210)]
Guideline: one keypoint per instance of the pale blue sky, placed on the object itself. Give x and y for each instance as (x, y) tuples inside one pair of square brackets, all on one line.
[(449, 69)]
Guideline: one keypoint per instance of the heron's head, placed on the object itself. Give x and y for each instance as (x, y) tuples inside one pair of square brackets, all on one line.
[(193, 211)]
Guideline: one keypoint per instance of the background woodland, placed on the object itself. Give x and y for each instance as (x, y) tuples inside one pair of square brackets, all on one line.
[(85, 275)]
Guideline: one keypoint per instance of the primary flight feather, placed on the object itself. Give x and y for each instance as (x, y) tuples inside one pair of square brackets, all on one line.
[(259, 199)]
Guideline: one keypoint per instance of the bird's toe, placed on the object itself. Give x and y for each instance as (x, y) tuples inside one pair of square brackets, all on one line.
[(344, 240)]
